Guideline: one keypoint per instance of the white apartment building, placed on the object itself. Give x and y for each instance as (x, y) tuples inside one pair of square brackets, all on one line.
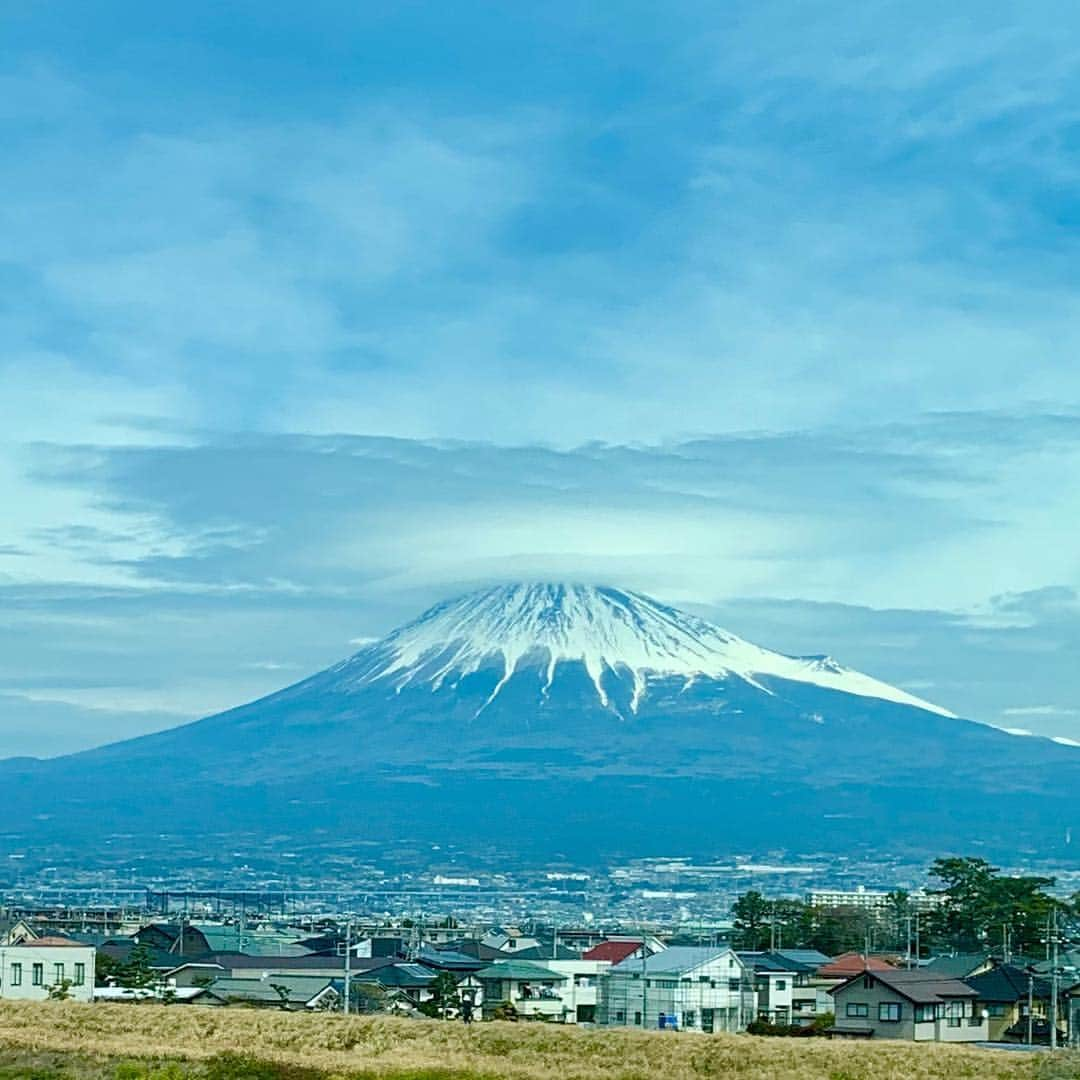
[(868, 899), (28, 972)]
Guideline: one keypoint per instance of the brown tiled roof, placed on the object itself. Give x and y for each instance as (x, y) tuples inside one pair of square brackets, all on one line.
[(852, 963), (54, 941)]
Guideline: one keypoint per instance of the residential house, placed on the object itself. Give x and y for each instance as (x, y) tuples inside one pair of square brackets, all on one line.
[(1004, 992), (293, 993), (1072, 1011), (458, 964), (581, 990), (698, 988), (18, 932), (29, 971), (195, 973), (809, 992), (254, 940), (240, 965), (509, 939), (532, 989), (474, 948), (841, 968), (182, 939), (414, 981), (774, 986), (959, 965), (908, 1004), (122, 950), (617, 949), (581, 939)]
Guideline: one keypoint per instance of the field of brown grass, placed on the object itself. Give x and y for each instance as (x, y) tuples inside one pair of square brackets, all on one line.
[(130, 1042)]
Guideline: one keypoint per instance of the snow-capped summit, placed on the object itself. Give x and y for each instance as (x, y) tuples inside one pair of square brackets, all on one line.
[(574, 722), (516, 627)]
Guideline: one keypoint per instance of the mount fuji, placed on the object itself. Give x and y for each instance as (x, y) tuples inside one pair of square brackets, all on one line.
[(578, 720)]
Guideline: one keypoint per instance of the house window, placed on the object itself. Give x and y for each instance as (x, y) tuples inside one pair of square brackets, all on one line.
[(620, 1016), (889, 1011), (37, 974), (733, 986), (996, 1009), (924, 1014), (781, 984), (637, 1019), (58, 974), (857, 1008), (80, 974), (688, 1018), (16, 974), (868, 982)]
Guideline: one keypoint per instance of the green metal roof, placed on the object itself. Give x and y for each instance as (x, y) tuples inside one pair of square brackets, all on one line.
[(252, 942)]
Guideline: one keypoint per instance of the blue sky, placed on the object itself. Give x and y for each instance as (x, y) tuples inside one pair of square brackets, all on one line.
[(312, 314)]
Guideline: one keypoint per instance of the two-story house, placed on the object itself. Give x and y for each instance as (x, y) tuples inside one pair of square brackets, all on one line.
[(691, 988), (1005, 993), (908, 1004), (532, 989)]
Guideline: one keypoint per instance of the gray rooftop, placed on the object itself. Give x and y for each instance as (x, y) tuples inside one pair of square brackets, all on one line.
[(673, 961)]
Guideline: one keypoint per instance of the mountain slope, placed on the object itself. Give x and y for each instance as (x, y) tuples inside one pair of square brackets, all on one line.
[(577, 719)]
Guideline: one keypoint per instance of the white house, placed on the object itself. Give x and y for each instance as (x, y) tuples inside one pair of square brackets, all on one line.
[(509, 939), (580, 991), (532, 989), (28, 972), (698, 989)]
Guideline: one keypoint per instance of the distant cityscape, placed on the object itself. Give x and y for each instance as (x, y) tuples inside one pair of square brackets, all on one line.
[(654, 944), (402, 880)]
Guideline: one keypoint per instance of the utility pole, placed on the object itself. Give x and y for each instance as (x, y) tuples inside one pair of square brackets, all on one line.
[(1053, 980), (918, 948), (908, 959), (1031, 980), (348, 963), (644, 987)]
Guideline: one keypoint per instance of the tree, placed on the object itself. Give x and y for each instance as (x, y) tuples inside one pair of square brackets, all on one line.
[(839, 929), (980, 907), (445, 993), (751, 913), (61, 991), (137, 972)]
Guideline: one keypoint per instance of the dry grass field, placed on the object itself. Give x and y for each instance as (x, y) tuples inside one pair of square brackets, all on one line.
[(124, 1042)]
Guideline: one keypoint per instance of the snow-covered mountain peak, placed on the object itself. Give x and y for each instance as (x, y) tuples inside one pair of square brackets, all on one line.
[(604, 629)]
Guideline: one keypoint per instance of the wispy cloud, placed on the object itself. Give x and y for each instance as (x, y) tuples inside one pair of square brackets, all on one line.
[(728, 306)]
